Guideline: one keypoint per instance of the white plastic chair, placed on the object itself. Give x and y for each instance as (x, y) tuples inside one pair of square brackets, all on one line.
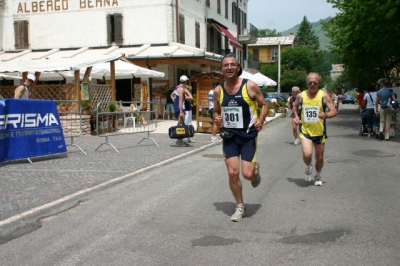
[(129, 116)]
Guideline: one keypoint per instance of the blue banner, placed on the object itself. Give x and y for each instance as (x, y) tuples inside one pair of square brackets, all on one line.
[(29, 128)]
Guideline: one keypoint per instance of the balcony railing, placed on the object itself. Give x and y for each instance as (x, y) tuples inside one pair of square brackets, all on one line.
[(253, 31)]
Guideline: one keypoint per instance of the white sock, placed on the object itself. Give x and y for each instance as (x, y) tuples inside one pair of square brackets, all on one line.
[(240, 205)]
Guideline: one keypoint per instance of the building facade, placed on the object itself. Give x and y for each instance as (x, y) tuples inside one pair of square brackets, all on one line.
[(172, 36), (266, 49)]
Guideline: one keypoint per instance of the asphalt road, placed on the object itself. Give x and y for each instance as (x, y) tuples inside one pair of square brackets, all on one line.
[(179, 213)]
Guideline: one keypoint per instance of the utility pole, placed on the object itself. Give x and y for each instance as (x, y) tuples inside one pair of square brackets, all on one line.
[(279, 66)]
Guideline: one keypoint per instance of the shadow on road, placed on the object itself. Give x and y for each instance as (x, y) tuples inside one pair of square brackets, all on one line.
[(229, 207)]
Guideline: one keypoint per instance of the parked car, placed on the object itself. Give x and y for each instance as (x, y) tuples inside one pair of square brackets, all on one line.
[(348, 99), (279, 96)]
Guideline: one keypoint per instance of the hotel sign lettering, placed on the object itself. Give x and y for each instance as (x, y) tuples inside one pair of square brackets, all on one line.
[(62, 5)]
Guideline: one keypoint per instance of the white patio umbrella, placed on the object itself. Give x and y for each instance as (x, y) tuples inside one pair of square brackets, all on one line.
[(123, 70), (10, 76), (248, 75), (264, 79), (258, 78)]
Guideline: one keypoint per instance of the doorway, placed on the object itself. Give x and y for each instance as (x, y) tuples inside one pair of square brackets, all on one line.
[(124, 90)]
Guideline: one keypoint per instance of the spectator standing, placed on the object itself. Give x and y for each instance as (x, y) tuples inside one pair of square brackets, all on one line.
[(22, 91), (360, 101), (179, 95), (336, 100), (235, 108), (383, 96), (295, 92), (188, 110), (309, 110), (369, 104), (169, 107), (214, 127)]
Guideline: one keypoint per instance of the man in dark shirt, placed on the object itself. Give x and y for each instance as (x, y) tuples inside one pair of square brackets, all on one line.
[(169, 107)]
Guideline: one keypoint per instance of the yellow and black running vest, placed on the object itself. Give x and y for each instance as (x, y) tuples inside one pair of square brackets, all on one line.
[(246, 115), (309, 108)]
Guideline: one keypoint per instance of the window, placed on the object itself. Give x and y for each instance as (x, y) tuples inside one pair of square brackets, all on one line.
[(234, 12), (244, 25), (181, 29), (226, 45), (274, 54), (114, 28), (210, 40), (21, 34), (226, 8), (197, 31), (207, 3), (219, 6)]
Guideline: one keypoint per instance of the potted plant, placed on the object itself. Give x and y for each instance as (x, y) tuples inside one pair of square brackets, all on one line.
[(112, 107), (86, 105)]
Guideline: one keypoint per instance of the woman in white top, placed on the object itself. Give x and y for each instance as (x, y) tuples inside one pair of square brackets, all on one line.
[(369, 104)]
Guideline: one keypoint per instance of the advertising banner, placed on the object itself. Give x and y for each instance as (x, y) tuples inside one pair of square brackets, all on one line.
[(29, 128)]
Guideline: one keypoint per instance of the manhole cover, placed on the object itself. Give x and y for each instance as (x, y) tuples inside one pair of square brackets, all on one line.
[(218, 156), (348, 161)]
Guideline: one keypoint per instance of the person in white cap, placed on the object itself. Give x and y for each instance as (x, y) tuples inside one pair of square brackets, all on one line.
[(178, 96), (22, 91)]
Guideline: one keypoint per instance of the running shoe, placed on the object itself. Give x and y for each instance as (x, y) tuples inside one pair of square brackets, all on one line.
[(239, 214), (296, 142), (257, 178), (191, 141), (214, 139), (308, 173), (317, 181)]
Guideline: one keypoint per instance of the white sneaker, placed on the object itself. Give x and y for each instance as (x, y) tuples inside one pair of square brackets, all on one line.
[(214, 139), (308, 173), (239, 214), (296, 142), (317, 181)]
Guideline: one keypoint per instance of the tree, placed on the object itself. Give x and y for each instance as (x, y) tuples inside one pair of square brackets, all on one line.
[(296, 63), (268, 33), (305, 35), (365, 33)]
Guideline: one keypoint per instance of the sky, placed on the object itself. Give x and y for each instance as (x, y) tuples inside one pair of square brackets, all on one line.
[(285, 14)]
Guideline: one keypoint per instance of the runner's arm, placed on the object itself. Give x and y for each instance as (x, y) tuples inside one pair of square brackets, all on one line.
[(217, 107)]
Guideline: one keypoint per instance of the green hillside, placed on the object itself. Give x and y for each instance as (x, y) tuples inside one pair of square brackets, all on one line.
[(319, 32)]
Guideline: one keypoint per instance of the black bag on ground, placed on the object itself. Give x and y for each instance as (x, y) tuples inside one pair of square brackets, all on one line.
[(226, 134), (181, 132)]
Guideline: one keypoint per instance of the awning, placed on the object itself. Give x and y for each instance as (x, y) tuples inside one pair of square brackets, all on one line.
[(44, 65), (233, 41)]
